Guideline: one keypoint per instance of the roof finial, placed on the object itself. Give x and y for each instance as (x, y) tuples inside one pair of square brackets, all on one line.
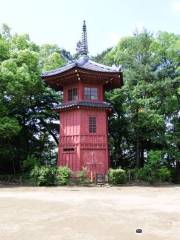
[(84, 39), (82, 46)]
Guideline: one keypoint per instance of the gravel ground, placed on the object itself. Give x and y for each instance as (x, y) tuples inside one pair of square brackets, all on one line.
[(94, 213)]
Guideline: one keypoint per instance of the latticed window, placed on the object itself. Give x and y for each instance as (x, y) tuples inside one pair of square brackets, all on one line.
[(90, 93), (92, 124), (72, 94)]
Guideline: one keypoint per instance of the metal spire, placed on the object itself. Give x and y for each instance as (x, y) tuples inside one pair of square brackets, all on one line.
[(82, 46), (84, 39)]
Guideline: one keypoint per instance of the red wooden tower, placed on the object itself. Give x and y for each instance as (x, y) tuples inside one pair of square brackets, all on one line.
[(83, 139)]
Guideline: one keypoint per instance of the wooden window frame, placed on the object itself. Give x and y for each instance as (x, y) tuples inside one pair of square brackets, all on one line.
[(91, 93), (92, 124), (72, 94)]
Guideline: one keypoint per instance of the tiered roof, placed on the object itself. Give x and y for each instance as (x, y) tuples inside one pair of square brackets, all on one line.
[(84, 104), (84, 69)]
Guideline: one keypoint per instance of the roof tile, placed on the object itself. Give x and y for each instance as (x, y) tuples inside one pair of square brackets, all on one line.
[(83, 62)]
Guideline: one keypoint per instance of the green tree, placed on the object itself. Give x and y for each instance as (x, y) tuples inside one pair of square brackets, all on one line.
[(27, 122), (147, 106), (50, 57)]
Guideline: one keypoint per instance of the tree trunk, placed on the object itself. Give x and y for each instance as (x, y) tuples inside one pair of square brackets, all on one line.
[(177, 171), (49, 131), (138, 165), (45, 125), (13, 166), (138, 152), (141, 155)]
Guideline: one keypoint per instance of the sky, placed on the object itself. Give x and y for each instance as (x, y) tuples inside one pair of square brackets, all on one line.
[(60, 21)]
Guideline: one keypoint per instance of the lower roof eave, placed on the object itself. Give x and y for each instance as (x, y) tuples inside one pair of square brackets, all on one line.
[(109, 109)]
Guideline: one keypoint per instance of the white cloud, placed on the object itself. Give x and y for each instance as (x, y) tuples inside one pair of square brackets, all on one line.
[(175, 6)]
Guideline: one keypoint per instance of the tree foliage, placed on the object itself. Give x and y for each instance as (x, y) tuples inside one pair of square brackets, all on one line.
[(27, 123), (147, 112)]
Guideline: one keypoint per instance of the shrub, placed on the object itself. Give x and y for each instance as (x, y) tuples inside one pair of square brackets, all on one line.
[(147, 174), (154, 159), (63, 175), (82, 177), (132, 174), (117, 176), (30, 162), (164, 174), (153, 171), (43, 176)]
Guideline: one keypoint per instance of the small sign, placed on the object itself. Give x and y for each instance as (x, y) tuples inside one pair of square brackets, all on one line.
[(100, 179)]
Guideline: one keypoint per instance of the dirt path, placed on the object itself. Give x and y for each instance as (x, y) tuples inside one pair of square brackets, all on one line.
[(101, 213)]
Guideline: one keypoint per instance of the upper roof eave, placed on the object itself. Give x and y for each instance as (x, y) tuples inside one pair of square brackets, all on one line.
[(57, 71), (87, 65)]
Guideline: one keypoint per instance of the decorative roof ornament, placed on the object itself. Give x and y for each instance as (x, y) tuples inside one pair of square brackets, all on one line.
[(82, 46), (83, 62)]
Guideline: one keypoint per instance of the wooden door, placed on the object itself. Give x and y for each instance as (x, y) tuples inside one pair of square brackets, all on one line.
[(94, 161)]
